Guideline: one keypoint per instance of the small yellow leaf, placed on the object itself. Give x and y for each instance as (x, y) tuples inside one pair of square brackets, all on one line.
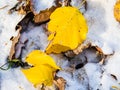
[(69, 28), (42, 70), (115, 87), (117, 11)]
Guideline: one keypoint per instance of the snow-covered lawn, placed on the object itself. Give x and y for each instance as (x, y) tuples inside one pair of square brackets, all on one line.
[(104, 31)]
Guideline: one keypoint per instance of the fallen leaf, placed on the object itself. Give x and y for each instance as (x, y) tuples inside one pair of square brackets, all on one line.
[(115, 88), (88, 45), (14, 42), (21, 27), (68, 29), (113, 76), (81, 47), (60, 83), (43, 68), (117, 11), (44, 15), (35, 5), (22, 6), (21, 11)]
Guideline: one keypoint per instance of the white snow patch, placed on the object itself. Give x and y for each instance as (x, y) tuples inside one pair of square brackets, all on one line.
[(107, 82), (36, 39), (14, 80), (103, 31), (113, 66), (11, 79), (8, 23), (42, 5), (74, 81), (94, 72)]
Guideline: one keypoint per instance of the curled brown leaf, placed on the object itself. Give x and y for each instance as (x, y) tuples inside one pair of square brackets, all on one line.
[(14, 41), (60, 83), (44, 15)]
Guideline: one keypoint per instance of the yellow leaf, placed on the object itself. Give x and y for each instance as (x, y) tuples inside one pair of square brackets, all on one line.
[(42, 70), (117, 11), (115, 88), (68, 29)]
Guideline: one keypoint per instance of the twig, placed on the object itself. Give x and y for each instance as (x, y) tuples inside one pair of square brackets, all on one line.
[(66, 2), (82, 3), (4, 7), (10, 64)]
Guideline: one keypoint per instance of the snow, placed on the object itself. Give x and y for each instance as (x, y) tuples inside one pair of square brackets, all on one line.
[(112, 67), (14, 80), (8, 23), (34, 37), (45, 5), (115, 66), (75, 80), (94, 74), (11, 79), (103, 32)]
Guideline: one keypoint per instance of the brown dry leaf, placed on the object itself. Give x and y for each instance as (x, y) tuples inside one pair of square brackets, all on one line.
[(23, 24), (23, 7), (44, 15), (67, 2), (85, 45), (35, 5), (113, 76), (21, 11), (60, 83), (99, 49), (81, 47), (14, 41), (117, 10)]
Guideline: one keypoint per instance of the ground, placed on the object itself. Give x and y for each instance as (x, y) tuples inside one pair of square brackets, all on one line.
[(103, 31)]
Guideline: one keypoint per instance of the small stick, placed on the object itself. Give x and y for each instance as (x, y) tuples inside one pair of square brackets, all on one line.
[(82, 3), (4, 7)]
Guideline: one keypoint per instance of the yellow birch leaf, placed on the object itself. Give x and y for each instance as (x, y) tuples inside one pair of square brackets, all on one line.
[(69, 28), (42, 70), (117, 11)]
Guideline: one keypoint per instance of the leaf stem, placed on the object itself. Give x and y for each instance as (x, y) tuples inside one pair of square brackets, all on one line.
[(10, 63), (1, 67), (81, 4)]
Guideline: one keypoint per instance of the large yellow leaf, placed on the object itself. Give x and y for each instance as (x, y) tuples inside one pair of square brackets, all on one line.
[(68, 29), (42, 70)]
